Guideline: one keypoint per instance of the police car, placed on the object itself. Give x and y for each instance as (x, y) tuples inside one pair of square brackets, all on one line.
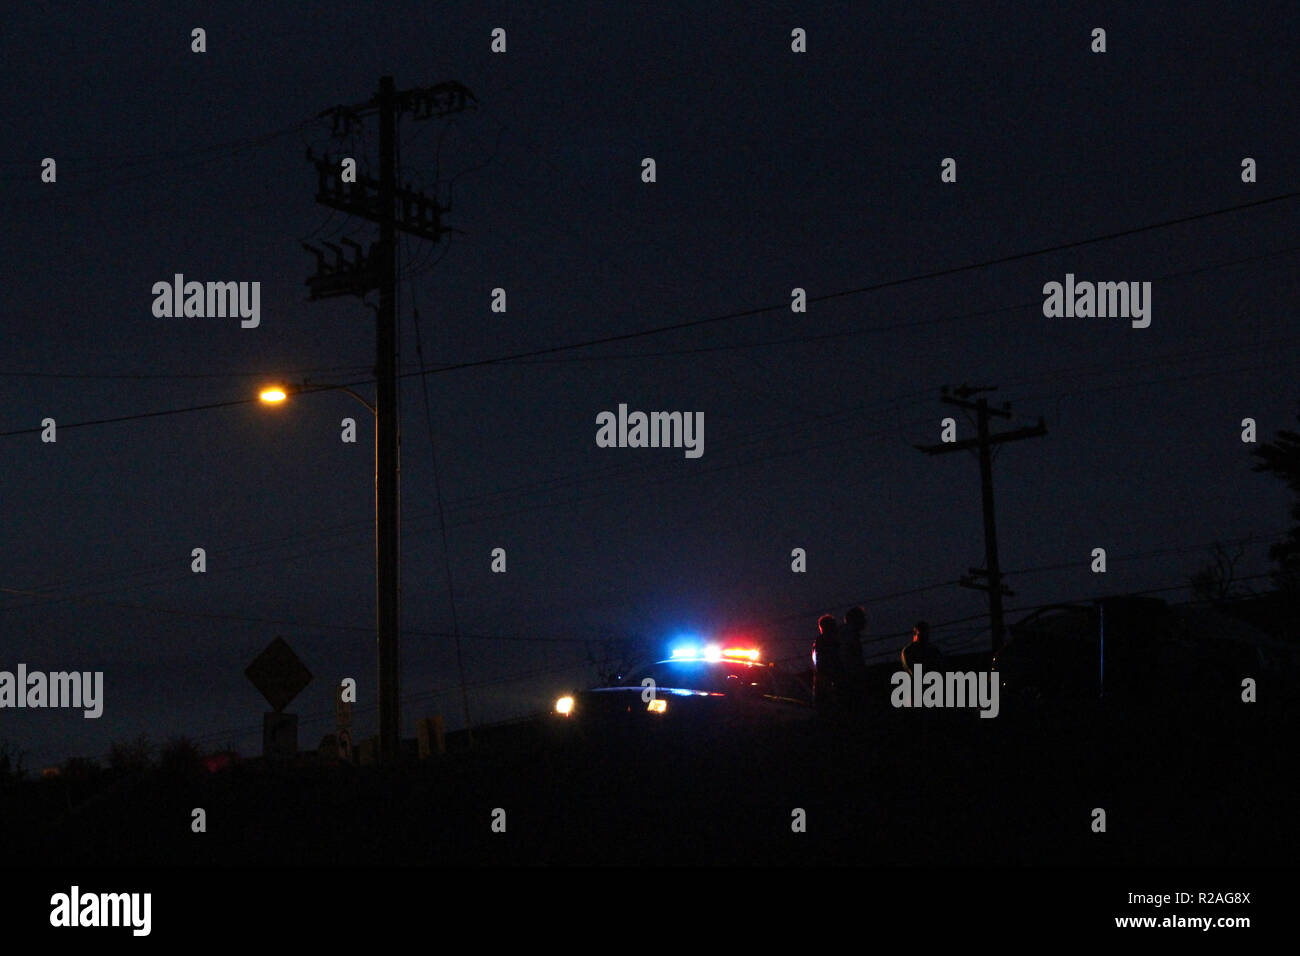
[(698, 687)]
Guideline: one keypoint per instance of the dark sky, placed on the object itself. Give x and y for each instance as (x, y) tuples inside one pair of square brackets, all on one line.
[(775, 170)]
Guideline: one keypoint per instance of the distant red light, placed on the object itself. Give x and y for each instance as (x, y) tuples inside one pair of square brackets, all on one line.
[(215, 763)]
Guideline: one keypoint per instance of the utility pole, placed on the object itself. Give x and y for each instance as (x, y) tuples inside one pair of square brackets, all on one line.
[(394, 209), (387, 423), (991, 573)]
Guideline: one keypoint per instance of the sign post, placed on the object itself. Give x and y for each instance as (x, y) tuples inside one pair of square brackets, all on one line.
[(343, 724), (280, 676)]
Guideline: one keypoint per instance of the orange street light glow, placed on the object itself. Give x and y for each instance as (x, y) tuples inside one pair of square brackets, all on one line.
[(272, 395)]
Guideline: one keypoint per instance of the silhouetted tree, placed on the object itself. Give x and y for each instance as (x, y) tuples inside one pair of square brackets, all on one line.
[(131, 756), (77, 770), (1216, 582), (613, 656), (11, 763), (1281, 459), (180, 757), (78, 777)]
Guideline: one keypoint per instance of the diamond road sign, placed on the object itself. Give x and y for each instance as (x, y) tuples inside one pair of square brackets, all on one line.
[(278, 674)]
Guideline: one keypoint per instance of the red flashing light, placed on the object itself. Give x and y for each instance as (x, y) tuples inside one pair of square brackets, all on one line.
[(217, 762)]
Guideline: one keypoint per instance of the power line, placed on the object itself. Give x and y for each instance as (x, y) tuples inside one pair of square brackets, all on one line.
[(875, 287), (813, 613), (550, 484), (182, 376), (514, 357), (891, 327), (168, 156), (442, 519), (131, 418), (866, 601), (76, 190), (554, 483), (785, 428), (282, 622), (321, 716)]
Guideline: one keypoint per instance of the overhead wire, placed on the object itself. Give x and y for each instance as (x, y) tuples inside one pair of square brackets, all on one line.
[(670, 327)]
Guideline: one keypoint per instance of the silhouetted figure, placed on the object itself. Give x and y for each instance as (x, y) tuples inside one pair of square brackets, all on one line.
[(920, 650), (828, 666), (855, 671)]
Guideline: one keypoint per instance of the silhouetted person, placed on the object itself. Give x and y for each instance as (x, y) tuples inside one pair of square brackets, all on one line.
[(920, 650), (855, 671), (828, 665)]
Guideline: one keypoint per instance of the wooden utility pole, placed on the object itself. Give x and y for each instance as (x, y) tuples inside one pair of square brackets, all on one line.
[(983, 443), (394, 209)]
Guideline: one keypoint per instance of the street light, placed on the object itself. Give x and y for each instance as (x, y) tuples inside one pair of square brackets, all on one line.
[(274, 394), (386, 571)]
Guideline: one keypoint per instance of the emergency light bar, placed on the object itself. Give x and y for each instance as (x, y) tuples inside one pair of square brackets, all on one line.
[(714, 653)]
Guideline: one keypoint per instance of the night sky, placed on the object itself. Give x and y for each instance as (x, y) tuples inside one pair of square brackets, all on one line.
[(775, 170)]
